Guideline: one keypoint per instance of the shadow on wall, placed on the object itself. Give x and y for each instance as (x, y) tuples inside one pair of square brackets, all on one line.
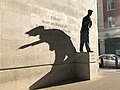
[(63, 68)]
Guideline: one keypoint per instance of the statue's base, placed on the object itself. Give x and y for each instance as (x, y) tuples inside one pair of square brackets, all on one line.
[(86, 66)]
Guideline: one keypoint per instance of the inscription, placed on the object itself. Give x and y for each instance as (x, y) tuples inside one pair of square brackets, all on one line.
[(54, 24), (54, 21), (55, 18)]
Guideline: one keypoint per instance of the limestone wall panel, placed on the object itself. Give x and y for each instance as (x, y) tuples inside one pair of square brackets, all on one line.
[(21, 68)]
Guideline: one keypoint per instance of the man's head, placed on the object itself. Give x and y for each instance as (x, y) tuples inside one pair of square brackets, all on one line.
[(36, 31), (90, 12)]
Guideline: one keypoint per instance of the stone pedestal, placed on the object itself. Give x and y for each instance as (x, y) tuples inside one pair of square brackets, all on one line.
[(86, 66)]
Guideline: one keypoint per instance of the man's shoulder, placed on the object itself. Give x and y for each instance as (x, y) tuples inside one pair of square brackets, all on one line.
[(86, 17)]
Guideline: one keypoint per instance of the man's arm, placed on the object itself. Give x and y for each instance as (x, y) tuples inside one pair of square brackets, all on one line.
[(31, 44), (90, 23), (37, 42)]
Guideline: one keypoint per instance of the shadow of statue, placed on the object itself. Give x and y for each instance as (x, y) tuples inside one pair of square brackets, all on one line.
[(62, 68)]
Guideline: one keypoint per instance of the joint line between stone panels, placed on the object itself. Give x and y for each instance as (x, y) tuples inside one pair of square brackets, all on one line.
[(25, 67)]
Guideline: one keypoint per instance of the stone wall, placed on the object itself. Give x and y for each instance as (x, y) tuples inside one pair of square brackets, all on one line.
[(19, 67)]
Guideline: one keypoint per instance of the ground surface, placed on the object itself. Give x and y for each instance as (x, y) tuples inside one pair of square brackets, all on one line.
[(108, 79)]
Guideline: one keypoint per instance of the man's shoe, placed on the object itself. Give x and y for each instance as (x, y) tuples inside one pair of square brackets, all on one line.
[(81, 51), (89, 51)]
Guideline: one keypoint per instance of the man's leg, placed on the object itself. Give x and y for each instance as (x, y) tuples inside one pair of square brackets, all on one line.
[(87, 46), (87, 43), (81, 44)]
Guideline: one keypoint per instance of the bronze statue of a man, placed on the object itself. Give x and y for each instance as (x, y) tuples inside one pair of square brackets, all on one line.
[(84, 38)]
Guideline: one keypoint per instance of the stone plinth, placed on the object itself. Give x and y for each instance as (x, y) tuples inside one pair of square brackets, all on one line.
[(86, 66)]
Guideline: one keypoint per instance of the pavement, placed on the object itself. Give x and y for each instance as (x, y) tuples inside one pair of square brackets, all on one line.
[(107, 79)]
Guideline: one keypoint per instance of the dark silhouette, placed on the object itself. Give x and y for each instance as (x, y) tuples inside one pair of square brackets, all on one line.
[(62, 45), (57, 40), (84, 38)]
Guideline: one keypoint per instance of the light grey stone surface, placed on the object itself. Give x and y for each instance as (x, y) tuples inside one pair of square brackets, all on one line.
[(20, 16), (86, 66)]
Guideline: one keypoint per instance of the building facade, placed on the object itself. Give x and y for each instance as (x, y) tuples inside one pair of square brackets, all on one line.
[(109, 31), (48, 62)]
